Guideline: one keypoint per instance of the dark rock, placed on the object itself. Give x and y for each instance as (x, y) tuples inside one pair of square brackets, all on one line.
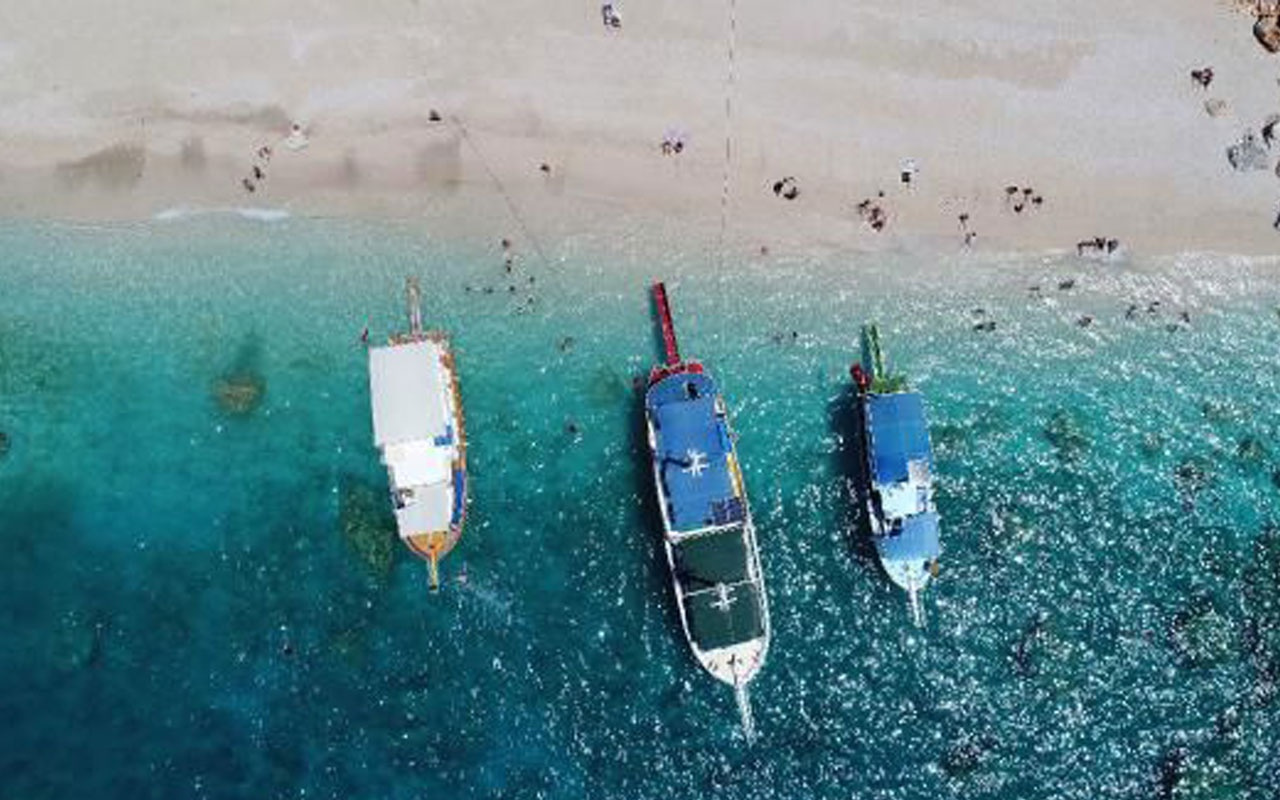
[(1172, 767), (1067, 435), (1024, 663), (1201, 635), (4, 444), (1248, 154), (240, 393), (1152, 445), (367, 527), (1223, 411), (240, 389), (1267, 31), (1251, 449), (1193, 474), (962, 758)]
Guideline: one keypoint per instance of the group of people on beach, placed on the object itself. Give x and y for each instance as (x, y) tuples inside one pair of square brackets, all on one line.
[(1021, 199), (672, 143), (609, 16), (295, 140), (1098, 245), (786, 188), (258, 172), (873, 213)]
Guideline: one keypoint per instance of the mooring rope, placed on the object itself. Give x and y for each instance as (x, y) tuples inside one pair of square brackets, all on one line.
[(728, 128), (512, 208)]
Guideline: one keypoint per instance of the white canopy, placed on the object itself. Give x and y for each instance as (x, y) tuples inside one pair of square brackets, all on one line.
[(407, 384), (430, 509), (418, 463)]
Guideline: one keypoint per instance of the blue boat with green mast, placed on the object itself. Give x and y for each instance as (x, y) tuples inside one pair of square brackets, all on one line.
[(899, 467)]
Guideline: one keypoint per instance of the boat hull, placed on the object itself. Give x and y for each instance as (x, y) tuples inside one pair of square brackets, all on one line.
[(733, 662), (420, 428), (900, 510)]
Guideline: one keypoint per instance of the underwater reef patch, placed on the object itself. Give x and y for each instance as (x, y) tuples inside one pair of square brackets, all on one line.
[(1067, 435), (367, 527), (240, 390)]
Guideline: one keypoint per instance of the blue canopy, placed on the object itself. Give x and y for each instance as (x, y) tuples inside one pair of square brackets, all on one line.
[(898, 435), (692, 444), (916, 540)]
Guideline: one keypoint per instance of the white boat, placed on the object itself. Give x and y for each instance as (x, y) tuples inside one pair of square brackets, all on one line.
[(418, 427), (708, 534)]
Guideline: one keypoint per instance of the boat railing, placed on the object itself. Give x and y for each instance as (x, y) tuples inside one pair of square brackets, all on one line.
[(680, 537), (748, 581)]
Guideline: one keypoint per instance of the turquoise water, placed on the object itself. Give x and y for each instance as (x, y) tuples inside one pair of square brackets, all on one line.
[(186, 615)]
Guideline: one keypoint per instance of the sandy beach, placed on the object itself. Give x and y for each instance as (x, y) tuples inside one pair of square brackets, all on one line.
[(127, 111)]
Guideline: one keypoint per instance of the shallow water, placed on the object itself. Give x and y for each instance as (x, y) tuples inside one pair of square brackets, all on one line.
[(185, 613)]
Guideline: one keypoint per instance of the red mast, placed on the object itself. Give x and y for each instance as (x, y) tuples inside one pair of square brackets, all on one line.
[(668, 327), (673, 364)]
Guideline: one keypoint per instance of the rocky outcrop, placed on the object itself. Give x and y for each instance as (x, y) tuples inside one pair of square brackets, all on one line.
[(1267, 31), (1248, 154)]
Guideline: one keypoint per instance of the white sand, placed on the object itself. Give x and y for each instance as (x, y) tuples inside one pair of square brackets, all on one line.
[(123, 110)]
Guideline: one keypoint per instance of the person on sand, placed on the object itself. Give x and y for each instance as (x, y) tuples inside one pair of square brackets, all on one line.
[(610, 17), (297, 138), (1269, 129), (908, 171), (1203, 77), (508, 257)]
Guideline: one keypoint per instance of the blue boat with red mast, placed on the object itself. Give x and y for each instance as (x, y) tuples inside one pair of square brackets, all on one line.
[(708, 534)]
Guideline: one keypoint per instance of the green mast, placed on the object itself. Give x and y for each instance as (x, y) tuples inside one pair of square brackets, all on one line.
[(873, 361)]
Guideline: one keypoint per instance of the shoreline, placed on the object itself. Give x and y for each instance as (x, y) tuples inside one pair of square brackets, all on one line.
[(1117, 148)]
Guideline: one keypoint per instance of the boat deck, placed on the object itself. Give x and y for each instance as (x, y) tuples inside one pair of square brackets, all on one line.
[(721, 593), (693, 453), (901, 466)]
